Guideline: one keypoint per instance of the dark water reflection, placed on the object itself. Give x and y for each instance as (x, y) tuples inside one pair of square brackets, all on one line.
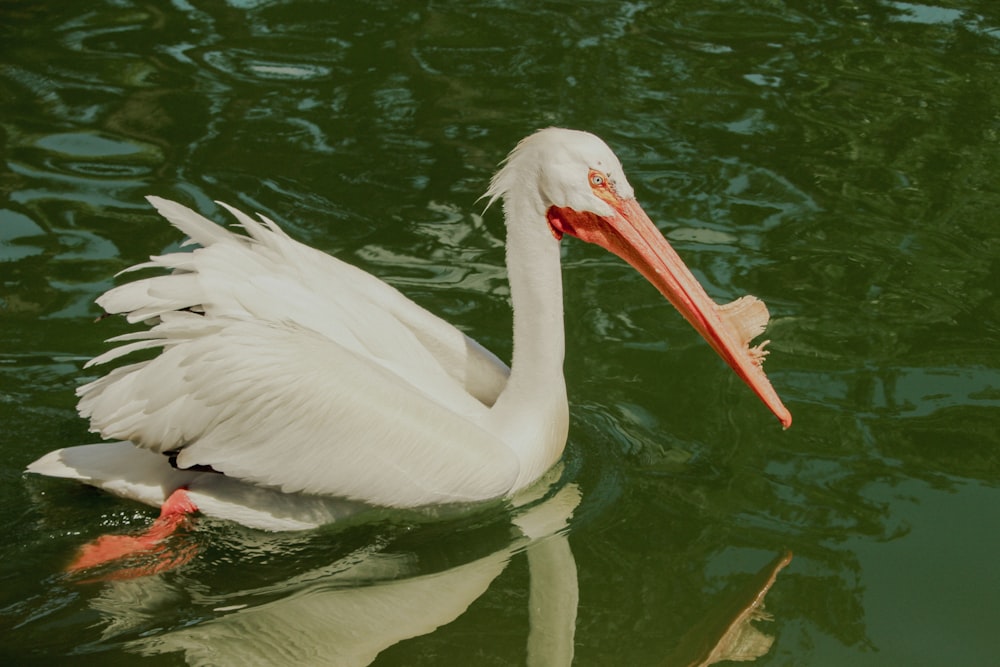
[(837, 159)]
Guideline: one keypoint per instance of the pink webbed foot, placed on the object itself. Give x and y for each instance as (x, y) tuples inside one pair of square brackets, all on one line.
[(148, 553)]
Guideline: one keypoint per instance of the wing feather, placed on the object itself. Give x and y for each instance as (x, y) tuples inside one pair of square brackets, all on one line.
[(285, 367), (269, 276), (285, 407)]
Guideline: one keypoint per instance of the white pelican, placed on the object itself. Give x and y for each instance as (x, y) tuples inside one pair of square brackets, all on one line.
[(294, 374)]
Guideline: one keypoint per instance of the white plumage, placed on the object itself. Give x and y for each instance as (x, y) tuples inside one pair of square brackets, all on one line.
[(289, 371)]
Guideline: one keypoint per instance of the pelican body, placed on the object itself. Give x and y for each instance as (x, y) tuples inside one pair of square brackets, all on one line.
[(284, 373)]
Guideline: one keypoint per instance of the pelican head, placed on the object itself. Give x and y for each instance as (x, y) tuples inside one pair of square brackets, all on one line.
[(579, 183)]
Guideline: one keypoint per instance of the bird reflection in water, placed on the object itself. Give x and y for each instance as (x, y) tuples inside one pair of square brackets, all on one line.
[(341, 615)]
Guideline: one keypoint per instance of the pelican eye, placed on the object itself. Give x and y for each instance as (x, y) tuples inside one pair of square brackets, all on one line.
[(597, 179)]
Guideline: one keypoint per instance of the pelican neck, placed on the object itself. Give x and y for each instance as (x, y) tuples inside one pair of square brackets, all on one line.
[(531, 414)]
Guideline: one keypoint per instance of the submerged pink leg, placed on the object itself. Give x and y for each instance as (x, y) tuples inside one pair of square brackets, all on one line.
[(151, 546)]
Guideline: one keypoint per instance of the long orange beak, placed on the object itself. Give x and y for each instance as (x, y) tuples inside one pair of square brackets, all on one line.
[(630, 234)]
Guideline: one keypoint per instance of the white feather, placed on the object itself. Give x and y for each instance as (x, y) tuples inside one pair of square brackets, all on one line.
[(290, 371), (144, 476)]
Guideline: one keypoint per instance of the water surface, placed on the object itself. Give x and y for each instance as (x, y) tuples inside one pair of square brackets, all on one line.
[(840, 160)]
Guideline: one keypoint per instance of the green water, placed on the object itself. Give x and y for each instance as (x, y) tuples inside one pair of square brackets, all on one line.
[(839, 159)]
